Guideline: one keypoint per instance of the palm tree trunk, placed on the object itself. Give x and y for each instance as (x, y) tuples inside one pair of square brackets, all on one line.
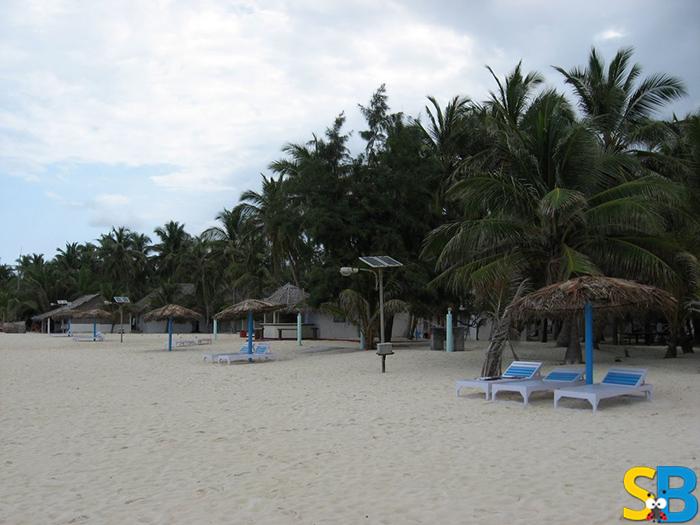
[(687, 342), (573, 351), (494, 355), (543, 335), (564, 333)]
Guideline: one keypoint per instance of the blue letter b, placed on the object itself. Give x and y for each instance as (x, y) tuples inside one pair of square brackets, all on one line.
[(690, 481)]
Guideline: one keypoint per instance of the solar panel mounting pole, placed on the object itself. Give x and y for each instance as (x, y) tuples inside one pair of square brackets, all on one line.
[(381, 305)]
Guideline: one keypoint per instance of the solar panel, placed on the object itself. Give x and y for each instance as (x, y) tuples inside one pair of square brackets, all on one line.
[(121, 299), (380, 261)]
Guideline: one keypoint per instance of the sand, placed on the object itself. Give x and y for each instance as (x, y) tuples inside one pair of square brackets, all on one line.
[(109, 433)]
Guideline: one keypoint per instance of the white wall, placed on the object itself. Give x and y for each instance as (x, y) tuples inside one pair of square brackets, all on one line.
[(86, 327), (161, 327), (329, 329)]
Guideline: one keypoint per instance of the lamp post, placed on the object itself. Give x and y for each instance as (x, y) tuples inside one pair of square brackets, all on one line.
[(121, 300), (377, 264)]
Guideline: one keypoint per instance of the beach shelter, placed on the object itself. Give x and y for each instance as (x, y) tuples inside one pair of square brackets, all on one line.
[(94, 314), (589, 293), (248, 307), (293, 299), (171, 313)]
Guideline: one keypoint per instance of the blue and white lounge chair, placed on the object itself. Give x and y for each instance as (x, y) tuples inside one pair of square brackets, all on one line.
[(616, 383), (222, 358), (98, 337), (516, 371), (262, 352), (557, 378)]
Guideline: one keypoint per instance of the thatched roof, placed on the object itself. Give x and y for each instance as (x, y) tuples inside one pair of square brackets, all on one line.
[(604, 293), (241, 309), (292, 297), (66, 310), (172, 311), (94, 313)]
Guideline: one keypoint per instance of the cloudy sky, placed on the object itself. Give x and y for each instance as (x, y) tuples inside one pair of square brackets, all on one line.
[(133, 113)]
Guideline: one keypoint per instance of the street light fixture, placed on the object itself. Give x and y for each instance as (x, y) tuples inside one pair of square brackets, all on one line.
[(377, 263), (121, 300)]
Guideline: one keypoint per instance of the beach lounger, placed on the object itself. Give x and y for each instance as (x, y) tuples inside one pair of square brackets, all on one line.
[(222, 358), (262, 352), (517, 371), (617, 382), (557, 378), (89, 338), (185, 342)]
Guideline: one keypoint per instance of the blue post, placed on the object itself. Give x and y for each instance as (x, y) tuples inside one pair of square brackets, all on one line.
[(362, 340), (449, 343), (216, 329), (251, 329), (170, 334), (299, 328), (94, 329), (588, 313)]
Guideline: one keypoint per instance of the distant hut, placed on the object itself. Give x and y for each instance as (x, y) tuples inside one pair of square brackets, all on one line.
[(170, 313), (315, 324), (58, 319), (184, 293)]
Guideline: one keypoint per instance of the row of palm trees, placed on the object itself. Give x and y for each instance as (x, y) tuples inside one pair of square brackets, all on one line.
[(532, 185)]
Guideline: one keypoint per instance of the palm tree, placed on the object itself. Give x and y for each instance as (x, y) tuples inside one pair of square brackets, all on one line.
[(171, 250), (616, 103), (269, 212), (359, 311), (540, 203), (124, 258)]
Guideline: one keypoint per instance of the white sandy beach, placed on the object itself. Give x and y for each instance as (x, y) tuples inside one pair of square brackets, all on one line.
[(109, 433)]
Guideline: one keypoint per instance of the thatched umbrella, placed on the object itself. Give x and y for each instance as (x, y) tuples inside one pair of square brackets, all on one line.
[(171, 312), (247, 307), (586, 293), (94, 314), (293, 298)]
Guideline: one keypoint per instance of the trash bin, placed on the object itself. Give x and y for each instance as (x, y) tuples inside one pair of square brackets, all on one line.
[(437, 338), (458, 338)]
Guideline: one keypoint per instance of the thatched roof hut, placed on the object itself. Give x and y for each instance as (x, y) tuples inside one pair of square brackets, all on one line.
[(291, 297), (241, 309), (65, 311), (172, 311), (92, 314), (609, 294)]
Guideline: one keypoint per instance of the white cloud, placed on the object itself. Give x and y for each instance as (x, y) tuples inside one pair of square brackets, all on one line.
[(612, 33), (211, 89)]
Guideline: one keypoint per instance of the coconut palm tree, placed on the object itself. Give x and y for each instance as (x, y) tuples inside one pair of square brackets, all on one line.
[(171, 250), (617, 104), (352, 306), (270, 212), (541, 203)]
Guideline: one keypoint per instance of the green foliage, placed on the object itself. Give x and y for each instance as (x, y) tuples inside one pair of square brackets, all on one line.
[(474, 199)]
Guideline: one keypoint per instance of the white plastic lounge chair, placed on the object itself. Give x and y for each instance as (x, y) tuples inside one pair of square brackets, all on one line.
[(516, 371), (262, 352), (557, 378), (617, 382), (223, 358), (89, 338), (185, 342)]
